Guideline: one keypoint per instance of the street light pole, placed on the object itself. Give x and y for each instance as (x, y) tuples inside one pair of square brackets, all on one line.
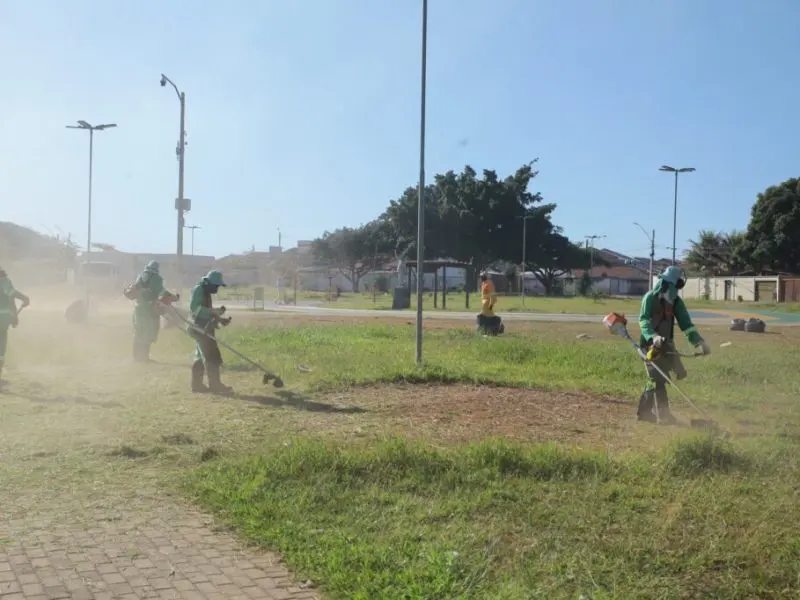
[(89, 218), (193, 227), (421, 201), (652, 240), (590, 246), (524, 254), (91, 129), (181, 204), (669, 169)]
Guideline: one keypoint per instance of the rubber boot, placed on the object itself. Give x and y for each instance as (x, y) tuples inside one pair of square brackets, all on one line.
[(198, 370), (646, 403), (141, 351), (680, 370), (215, 385), (665, 416), (137, 350)]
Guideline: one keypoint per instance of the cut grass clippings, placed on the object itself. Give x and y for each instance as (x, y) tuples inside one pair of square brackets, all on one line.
[(703, 519)]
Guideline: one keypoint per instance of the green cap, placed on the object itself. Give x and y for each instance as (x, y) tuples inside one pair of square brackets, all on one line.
[(152, 267), (214, 277), (672, 275)]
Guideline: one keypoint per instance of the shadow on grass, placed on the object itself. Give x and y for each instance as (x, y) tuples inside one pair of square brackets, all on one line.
[(68, 400), (285, 398)]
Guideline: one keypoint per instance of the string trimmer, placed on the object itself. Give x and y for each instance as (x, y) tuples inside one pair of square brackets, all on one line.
[(268, 375), (617, 325)]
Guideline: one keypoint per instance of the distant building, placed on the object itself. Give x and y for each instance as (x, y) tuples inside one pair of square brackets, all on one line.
[(125, 266)]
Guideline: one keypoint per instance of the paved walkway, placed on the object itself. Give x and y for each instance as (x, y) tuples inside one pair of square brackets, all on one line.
[(142, 550)]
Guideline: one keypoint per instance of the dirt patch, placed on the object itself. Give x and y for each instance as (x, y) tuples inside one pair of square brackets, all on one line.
[(460, 413)]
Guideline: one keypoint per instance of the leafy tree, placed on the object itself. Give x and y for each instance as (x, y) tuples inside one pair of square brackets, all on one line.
[(772, 240), (470, 219), (553, 255), (354, 252)]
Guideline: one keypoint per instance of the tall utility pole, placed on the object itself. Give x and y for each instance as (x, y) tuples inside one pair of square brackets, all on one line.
[(91, 129), (421, 202), (590, 247), (192, 227), (280, 248), (182, 205), (524, 254), (652, 239), (668, 169)]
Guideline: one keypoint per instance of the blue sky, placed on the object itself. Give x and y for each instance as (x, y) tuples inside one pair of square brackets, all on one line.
[(303, 114)]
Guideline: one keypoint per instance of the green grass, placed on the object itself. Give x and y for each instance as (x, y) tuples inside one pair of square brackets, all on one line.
[(703, 519)]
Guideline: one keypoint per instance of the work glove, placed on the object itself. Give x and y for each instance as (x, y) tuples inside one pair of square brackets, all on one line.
[(659, 341), (225, 321), (704, 348)]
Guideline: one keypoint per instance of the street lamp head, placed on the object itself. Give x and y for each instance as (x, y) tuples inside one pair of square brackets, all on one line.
[(84, 124), (668, 169), (104, 126), (163, 80)]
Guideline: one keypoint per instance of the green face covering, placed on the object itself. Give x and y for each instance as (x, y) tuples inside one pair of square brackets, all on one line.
[(671, 294)]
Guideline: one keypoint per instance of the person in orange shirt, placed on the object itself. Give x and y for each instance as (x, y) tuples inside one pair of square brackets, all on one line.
[(488, 295), (488, 322)]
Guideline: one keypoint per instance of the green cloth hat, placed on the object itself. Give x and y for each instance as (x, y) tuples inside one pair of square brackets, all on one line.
[(214, 277)]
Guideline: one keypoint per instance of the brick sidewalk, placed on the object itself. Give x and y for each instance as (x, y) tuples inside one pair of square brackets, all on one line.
[(144, 550)]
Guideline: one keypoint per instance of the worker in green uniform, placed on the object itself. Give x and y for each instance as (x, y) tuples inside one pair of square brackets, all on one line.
[(661, 308), (148, 292), (206, 319), (8, 312)]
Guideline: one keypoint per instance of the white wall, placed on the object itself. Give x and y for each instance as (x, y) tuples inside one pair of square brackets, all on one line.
[(696, 288)]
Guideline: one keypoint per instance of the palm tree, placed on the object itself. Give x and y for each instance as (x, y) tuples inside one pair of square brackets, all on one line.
[(716, 253)]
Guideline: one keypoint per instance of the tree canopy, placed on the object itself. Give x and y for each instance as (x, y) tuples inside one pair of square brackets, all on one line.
[(353, 251), (772, 240), (470, 218)]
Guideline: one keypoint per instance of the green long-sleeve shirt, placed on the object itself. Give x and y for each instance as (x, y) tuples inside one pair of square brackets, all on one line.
[(8, 297), (200, 305), (150, 288), (656, 317)]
